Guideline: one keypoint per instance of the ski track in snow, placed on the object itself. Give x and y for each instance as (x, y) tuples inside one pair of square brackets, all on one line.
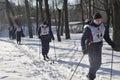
[(19, 62)]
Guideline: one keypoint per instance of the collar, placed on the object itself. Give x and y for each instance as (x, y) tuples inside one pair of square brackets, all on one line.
[(94, 25)]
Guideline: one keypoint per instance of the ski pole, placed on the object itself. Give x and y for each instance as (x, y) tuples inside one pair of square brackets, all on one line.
[(111, 65), (77, 66), (54, 50), (39, 49)]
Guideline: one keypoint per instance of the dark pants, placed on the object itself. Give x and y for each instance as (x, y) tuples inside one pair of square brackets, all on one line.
[(18, 36), (10, 34), (94, 53), (45, 45)]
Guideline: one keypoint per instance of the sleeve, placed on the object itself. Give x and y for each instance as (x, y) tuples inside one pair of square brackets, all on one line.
[(107, 37), (85, 36)]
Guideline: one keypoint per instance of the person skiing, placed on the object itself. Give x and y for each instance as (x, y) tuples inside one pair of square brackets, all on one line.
[(45, 34), (18, 35), (92, 42), (10, 32)]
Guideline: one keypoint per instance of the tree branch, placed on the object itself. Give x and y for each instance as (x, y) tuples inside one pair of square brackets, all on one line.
[(98, 8)]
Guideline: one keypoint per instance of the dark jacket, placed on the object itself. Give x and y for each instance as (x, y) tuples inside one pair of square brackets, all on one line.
[(50, 35)]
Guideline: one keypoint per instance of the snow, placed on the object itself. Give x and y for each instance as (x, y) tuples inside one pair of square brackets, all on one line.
[(22, 62), (74, 23)]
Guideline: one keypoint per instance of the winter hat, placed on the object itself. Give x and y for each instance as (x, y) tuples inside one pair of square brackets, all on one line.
[(45, 23), (97, 16)]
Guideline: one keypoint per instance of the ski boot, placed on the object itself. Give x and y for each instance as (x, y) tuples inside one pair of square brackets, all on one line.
[(90, 77), (47, 57)]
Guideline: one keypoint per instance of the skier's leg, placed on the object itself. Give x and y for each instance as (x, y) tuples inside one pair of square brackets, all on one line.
[(95, 60), (43, 49), (47, 49), (20, 37)]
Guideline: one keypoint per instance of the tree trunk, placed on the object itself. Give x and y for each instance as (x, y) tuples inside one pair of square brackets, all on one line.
[(54, 12), (41, 11), (28, 19), (107, 10), (67, 32), (62, 23), (82, 14), (48, 17), (8, 10), (59, 23), (20, 19), (37, 16), (89, 9), (116, 28)]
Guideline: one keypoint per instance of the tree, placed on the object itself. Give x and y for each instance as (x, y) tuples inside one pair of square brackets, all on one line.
[(82, 12), (116, 23), (67, 32), (48, 17), (59, 24), (41, 10), (19, 20), (62, 22), (28, 19), (9, 10), (37, 16), (89, 8)]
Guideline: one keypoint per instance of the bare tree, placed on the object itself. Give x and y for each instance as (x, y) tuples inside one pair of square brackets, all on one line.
[(41, 10), (116, 28), (10, 15), (82, 12), (28, 19), (37, 16), (62, 22), (57, 21), (67, 32), (59, 24), (48, 17), (89, 2)]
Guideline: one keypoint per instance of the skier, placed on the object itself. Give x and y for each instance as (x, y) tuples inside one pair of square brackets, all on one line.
[(45, 34), (92, 42), (10, 32), (18, 35)]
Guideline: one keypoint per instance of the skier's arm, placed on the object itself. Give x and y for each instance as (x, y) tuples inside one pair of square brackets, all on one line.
[(85, 35), (107, 38)]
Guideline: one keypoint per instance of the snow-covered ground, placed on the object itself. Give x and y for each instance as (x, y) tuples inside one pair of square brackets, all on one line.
[(22, 62)]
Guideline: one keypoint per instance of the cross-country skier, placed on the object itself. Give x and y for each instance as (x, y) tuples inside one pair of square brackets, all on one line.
[(10, 33), (92, 42), (45, 34), (18, 35)]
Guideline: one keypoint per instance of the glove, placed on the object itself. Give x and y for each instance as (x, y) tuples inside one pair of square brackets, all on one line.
[(39, 37), (113, 45), (84, 51), (53, 38)]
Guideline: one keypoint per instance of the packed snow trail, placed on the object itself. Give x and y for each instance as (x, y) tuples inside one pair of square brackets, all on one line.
[(21, 62), (24, 59)]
